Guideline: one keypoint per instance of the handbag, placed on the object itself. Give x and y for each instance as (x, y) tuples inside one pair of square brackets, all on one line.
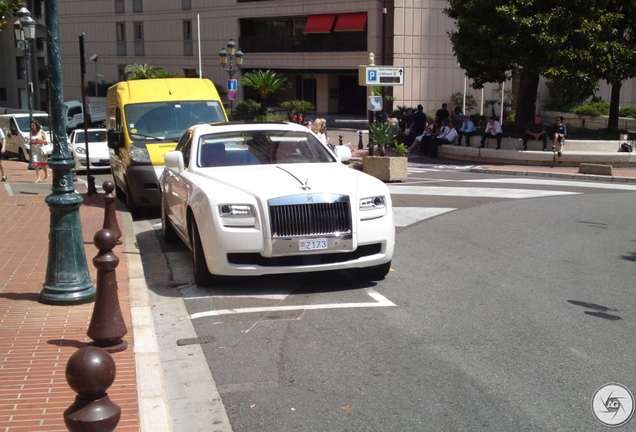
[(46, 149), (407, 131)]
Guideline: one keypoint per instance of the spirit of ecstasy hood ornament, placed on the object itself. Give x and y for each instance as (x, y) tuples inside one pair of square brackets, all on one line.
[(304, 186)]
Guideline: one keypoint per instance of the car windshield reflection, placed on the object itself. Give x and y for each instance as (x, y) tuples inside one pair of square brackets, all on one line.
[(260, 148)]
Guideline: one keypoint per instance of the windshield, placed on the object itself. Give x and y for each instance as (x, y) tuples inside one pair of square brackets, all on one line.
[(168, 120), (23, 122), (260, 148), (93, 136)]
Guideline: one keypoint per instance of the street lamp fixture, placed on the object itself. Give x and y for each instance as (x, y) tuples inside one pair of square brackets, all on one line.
[(231, 61), (24, 28)]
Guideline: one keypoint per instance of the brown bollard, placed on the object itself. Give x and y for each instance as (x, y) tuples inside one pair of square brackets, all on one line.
[(339, 139), (110, 217), (90, 372), (360, 144), (107, 327)]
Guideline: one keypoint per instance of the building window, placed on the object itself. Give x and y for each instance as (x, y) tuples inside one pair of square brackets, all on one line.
[(187, 38), (20, 71), (310, 34), (190, 73), (120, 29), (3, 94), (139, 38), (186, 4), (119, 6), (138, 6)]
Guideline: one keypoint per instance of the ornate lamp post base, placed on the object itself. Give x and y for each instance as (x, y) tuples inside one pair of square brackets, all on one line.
[(68, 280)]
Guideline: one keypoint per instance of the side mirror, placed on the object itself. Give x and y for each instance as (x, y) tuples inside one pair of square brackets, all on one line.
[(174, 161), (114, 139), (343, 153)]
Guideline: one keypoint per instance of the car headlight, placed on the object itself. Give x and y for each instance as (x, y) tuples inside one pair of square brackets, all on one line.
[(372, 207), (237, 215), (80, 150), (139, 154)]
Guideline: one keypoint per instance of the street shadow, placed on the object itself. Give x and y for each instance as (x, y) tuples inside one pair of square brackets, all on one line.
[(21, 296), (599, 310), (67, 343), (151, 242)]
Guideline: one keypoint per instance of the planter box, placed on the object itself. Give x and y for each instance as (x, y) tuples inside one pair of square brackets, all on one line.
[(386, 168)]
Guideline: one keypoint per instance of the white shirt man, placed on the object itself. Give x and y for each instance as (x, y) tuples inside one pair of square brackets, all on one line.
[(493, 130)]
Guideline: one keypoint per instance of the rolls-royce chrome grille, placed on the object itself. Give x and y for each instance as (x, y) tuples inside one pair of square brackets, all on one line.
[(310, 215)]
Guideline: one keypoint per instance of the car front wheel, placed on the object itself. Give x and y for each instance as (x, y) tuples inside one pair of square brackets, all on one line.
[(202, 275)]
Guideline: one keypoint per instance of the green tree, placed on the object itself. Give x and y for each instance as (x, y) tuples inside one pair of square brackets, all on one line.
[(7, 10), (264, 83), (297, 109), (458, 100), (145, 71), (578, 42)]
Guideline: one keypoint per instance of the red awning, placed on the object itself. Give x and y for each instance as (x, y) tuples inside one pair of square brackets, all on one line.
[(319, 23), (351, 22)]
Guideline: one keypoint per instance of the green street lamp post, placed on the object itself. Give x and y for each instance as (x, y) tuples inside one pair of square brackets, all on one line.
[(24, 29), (228, 58), (67, 281)]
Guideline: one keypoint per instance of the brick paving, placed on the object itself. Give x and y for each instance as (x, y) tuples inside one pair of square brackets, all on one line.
[(36, 340)]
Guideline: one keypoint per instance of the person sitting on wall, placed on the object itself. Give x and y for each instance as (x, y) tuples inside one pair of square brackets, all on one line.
[(560, 133), (493, 130), (467, 129), (535, 130)]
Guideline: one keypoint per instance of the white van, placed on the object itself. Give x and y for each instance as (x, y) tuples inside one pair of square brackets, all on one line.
[(17, 132)]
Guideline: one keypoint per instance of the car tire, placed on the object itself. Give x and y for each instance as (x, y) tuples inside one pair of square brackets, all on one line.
[(168, 231), (202, 275), (22, 156), (375, 272)]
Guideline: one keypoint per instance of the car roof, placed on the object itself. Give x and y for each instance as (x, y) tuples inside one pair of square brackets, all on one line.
[(248, 127)]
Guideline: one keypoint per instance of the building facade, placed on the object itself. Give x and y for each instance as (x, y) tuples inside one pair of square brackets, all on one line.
[(317, 45)]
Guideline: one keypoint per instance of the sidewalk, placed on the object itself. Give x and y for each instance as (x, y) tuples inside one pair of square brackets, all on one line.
[(351, 138), (37, 340)]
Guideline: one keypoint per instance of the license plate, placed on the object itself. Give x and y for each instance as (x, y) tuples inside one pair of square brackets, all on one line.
[(308, 245)]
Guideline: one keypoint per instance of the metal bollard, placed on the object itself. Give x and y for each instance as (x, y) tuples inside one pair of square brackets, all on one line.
[(107, 327), (339, 139), (360, 145), (90, 372), (110, 217)]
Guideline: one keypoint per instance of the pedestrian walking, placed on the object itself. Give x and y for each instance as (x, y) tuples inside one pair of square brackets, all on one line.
[(40, 159)]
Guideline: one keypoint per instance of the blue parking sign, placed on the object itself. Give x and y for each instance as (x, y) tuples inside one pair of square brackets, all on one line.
[(372, 75), (232, 84)]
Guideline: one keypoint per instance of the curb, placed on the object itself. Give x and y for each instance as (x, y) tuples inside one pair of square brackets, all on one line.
[(571, 176), (176, 390)]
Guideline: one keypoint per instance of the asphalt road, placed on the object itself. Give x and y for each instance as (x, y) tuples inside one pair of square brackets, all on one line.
[(509, 305)]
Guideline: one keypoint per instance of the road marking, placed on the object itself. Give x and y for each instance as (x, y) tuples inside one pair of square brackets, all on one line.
[(561, 183), (475, 192), (405, 216), (380, 301)]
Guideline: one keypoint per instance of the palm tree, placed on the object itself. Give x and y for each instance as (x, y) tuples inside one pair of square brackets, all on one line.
[(146, 71), (264, 83)]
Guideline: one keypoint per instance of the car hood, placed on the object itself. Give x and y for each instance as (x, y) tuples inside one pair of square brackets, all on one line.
[(269, 181)]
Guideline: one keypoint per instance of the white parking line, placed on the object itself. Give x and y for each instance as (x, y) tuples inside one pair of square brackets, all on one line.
[(474, 192), (405, 216), (560, 183), (380, 301)]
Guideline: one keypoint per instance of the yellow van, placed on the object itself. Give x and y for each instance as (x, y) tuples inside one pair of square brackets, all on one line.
[(145, 119)]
